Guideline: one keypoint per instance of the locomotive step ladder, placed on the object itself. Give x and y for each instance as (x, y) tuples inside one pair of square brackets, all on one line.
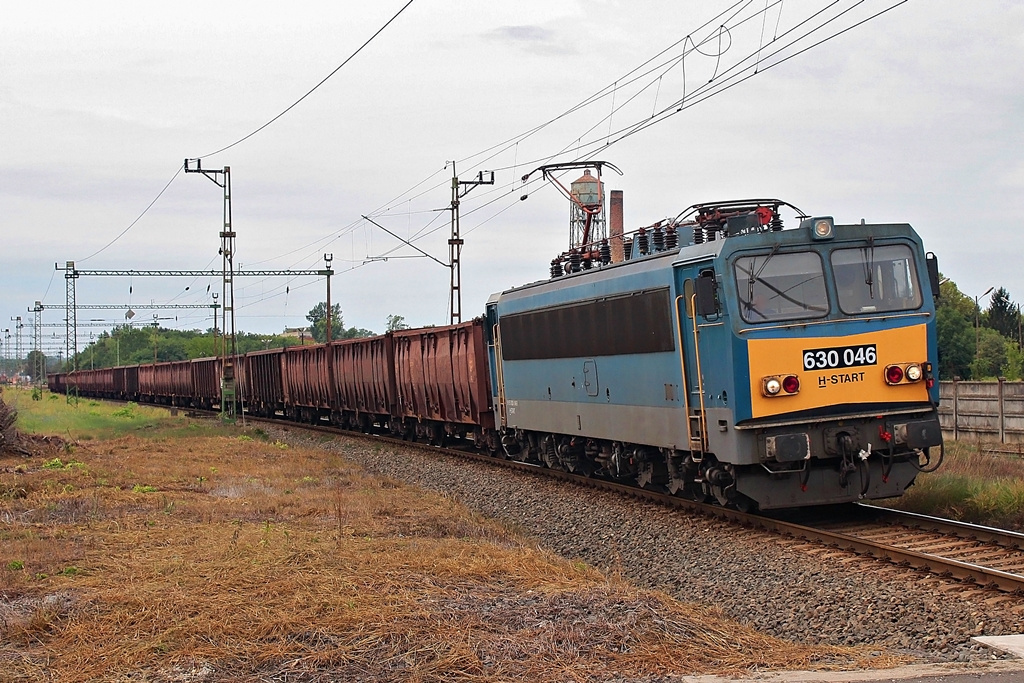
[(696, 432)]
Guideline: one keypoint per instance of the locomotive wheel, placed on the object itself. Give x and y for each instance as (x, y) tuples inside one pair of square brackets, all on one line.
[(652, 475), (701, 492)]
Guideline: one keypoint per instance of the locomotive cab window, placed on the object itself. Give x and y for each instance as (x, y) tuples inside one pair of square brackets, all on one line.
[(876, 279), (780, 286)]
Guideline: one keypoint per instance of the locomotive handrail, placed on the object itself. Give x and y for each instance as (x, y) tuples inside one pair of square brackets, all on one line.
[(700, 377), (686, 383), (502, 411)]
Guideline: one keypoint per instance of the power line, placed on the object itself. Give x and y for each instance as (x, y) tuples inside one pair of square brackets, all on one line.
[(132, 224), (739, 72), (289, 108), (311, 90)]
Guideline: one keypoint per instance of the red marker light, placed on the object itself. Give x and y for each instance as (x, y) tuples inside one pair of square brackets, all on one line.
[(893, 374), (791, 384)]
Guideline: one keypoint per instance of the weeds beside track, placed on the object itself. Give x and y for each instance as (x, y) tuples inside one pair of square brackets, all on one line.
[(229, 555)]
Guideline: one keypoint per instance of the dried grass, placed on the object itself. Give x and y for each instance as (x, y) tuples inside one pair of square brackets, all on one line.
[(223, 558)]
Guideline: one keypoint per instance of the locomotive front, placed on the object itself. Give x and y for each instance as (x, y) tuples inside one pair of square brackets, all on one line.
[(831, 350)]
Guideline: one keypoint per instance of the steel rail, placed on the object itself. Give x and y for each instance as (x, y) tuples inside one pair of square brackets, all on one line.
[(986, 534)]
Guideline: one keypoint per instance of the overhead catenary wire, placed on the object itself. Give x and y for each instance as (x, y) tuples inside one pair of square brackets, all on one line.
[(718, 83), (246, 137), (137, 219), (315, 87), (730, 77), (722, 81)]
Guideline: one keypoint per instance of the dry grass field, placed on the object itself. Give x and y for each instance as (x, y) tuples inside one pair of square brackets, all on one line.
[(151, 554)]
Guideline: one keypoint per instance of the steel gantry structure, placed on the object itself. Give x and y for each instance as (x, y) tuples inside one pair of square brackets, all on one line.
[(221, 178), (73, 349)]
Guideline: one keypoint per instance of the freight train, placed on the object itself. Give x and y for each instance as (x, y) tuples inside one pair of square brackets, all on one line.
[(762, 366)]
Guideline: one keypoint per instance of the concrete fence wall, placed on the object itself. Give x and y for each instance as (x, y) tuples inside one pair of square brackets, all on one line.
[(983, 411)]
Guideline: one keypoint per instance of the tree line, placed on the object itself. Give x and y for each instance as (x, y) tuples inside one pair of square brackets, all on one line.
[(127, 345), (978, 343)]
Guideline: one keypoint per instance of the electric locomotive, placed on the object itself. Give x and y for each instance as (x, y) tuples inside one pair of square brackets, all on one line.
[(762, 366)]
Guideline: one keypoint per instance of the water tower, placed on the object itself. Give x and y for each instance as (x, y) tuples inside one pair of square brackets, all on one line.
[(587, 225), (586, 211)]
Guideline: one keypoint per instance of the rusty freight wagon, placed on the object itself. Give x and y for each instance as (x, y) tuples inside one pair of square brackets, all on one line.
[(364, 382), (126, 382), (442, 382), (307, 387), (205, 374), (259, 375)]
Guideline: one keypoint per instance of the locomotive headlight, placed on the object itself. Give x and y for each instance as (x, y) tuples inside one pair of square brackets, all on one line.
[(820, 227), (772, 386), (914, 373)]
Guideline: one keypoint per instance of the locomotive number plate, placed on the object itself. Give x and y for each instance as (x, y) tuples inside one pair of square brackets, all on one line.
[(840, 357)]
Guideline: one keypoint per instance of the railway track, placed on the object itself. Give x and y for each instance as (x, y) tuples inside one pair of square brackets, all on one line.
[(983, 556)]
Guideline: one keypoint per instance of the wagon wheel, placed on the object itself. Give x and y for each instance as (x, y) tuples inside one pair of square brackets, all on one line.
[(437, 435)]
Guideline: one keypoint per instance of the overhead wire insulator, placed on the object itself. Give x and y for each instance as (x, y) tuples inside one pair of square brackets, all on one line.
[(658, 235), (671, 237)]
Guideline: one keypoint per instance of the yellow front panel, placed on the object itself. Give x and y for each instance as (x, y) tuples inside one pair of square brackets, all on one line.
[(833, 384)]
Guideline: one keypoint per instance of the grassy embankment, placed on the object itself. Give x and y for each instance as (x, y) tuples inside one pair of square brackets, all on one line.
[(162, 548), (971, 486)]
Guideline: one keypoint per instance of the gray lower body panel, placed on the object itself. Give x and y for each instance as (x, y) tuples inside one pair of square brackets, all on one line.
[(665, 427)]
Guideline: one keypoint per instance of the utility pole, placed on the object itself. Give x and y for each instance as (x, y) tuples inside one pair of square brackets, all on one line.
[(7, 351), (156, 325), (222, 178), (977, 320), (17, 341), (327, 262), (71, 319), (455, 242), (330, 355), (39, 362)]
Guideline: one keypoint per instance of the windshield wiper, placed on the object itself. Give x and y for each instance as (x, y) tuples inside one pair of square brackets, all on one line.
[(869, 266)]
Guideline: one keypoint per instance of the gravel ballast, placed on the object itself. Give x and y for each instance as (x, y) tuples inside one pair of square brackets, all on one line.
[(805, 594)]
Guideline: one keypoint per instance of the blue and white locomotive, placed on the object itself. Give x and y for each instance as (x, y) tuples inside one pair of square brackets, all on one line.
[(758, 365)]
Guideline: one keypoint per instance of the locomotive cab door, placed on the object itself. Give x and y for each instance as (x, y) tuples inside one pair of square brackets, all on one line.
[(695, 303)]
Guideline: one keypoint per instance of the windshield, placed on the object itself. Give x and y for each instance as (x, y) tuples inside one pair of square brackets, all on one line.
[(781, 286), (876, 279)]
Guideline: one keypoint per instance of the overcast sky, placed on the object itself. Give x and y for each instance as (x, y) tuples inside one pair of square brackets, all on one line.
[(914, 116)]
